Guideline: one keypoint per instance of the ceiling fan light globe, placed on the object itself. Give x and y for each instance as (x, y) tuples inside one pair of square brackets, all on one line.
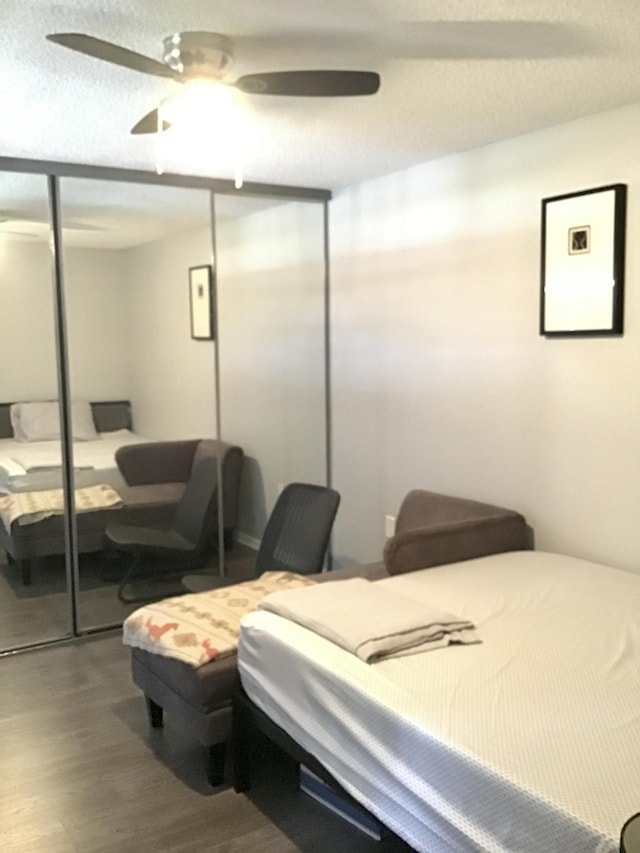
[(199, 104), (198, 54)]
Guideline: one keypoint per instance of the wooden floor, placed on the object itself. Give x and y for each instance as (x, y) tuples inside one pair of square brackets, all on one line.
[(39, 612), (81, 772)]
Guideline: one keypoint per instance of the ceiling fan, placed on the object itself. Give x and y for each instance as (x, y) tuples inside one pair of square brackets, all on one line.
[(197, 56)]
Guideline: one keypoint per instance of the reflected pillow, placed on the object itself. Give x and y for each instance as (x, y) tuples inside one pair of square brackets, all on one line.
[(14, 414), (41, 421), (36, 421), (83, 427)]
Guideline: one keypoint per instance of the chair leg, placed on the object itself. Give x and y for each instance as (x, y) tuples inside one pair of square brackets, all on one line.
[(112, 569), (216, 764), (154, 712), (125, 599), (229, 538)]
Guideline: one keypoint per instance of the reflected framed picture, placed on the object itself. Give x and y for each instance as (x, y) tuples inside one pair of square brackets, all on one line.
[(201, 303), (582, 263)]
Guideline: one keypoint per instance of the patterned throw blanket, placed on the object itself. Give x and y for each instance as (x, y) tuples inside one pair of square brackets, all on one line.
[(29, 507), (202, 626)]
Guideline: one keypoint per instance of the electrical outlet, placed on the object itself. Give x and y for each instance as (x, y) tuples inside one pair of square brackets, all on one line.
[(389, 525)]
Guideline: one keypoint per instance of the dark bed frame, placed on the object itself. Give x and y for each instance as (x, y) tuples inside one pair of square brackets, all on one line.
[(248, 723), (20, 545), (108, 416)]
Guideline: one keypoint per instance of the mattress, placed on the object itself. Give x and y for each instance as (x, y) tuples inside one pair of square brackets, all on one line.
[(529, 741), (31, 466)]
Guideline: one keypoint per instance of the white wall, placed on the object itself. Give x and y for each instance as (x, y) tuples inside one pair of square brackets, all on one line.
[(128, 329), (440, 378), (172, 375), (95, 296), (96, 304), (27, 342)]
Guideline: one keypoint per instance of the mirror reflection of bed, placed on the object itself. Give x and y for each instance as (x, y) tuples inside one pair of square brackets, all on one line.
[(31, 475), (119, 475)]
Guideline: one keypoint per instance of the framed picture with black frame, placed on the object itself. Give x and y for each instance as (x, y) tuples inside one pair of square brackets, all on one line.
[(582, 263), (201, 303)]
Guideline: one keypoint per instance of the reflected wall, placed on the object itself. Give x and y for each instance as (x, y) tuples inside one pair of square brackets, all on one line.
[(272, 341), (34, 603), (126, 255)]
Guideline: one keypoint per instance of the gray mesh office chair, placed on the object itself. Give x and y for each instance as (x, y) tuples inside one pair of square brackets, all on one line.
[(296, 536), (183, 544)]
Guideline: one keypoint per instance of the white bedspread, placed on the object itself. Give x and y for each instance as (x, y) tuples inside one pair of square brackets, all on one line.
[(529, 741), (35, 465)]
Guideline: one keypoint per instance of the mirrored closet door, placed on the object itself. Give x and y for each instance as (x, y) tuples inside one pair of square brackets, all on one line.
[(164, 369), (271, 326), (34, 601), (142, 385)]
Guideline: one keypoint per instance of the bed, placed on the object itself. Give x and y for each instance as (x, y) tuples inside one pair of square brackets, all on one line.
[(528, 741), (35, 465), (31, 471)]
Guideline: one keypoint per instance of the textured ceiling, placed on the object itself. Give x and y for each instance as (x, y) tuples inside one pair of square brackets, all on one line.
[(557, 60)]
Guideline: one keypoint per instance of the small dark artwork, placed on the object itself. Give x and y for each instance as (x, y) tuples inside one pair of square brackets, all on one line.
[(580, 240), (201, 303), (583, 259)]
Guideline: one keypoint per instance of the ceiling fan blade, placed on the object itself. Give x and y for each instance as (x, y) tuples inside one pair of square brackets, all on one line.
[(310, 83), (149, 124), (113, 53)]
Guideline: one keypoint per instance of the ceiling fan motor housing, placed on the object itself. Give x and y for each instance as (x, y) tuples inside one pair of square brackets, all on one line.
[(198, 54)]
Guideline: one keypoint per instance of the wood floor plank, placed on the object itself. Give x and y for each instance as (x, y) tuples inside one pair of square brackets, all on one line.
[(40, 612), (82, 772)]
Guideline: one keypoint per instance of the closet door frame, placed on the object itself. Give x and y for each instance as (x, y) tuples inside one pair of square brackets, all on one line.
[(53, 172)]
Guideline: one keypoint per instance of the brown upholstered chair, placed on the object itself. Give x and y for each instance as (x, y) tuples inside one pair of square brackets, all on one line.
[(432, 529), (156, 474)]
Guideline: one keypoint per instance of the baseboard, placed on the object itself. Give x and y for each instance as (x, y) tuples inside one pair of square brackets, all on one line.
[(356, 815), (249, 541)]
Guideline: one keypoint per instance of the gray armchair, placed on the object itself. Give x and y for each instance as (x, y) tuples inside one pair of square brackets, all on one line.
[(156, 474), (432, 529)]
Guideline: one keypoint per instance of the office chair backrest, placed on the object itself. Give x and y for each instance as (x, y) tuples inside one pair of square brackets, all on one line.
[(195, 513), (298, 530)]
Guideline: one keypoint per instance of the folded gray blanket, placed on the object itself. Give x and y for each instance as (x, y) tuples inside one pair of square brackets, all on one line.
[(370, 620)]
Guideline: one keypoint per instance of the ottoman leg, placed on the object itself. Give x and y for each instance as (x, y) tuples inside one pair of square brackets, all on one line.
[(155, 713), (242, 744), (25, 571), (216, 763)]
